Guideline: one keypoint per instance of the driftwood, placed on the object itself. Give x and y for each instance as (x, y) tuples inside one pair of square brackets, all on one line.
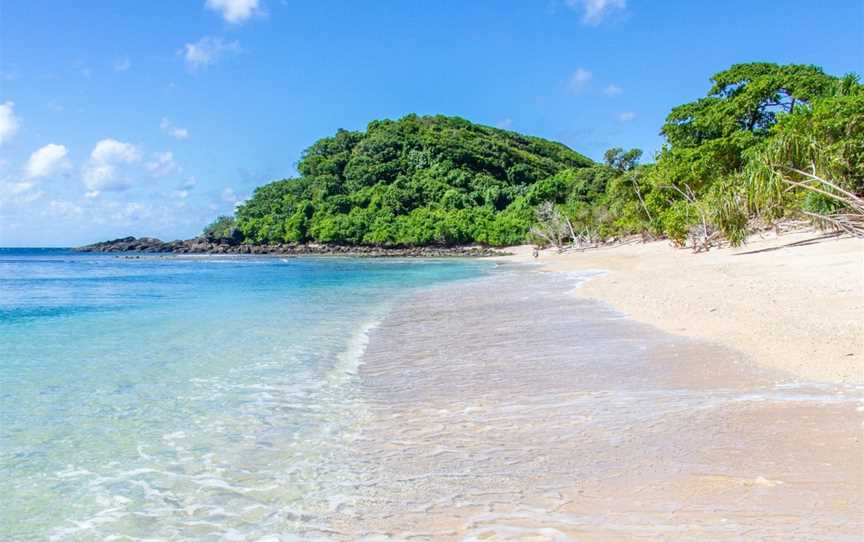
[(849, 220)]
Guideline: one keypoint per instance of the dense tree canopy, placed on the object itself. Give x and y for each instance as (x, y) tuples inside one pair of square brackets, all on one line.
[(415, 181), (704, 174)]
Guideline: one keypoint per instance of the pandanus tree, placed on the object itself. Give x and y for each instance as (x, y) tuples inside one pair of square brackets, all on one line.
[(814, 161)]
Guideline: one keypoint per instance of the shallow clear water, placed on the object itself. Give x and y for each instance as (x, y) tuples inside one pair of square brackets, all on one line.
[(506, 409), (181, 398)]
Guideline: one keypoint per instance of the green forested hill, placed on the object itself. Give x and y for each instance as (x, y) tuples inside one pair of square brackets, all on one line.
[(414, 181), (767, 142)]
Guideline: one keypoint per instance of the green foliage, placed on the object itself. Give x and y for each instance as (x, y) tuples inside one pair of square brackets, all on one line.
[(417, 181), (745, 98), (825, 140), (223, 227), (677, 220), (622, 161), (725, 152), (706, 139), (727, 209)]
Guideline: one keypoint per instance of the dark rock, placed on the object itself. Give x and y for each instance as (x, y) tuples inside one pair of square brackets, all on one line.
[(204, 245)]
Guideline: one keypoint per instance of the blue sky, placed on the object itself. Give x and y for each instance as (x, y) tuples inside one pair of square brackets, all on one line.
[(151, 118)]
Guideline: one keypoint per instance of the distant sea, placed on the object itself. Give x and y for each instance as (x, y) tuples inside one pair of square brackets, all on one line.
[(177, 398)]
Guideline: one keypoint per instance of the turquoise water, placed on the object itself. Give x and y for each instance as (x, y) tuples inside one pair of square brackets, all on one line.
[(175, 398)]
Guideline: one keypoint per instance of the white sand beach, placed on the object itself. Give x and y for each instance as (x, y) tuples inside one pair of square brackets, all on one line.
[(793, 302)]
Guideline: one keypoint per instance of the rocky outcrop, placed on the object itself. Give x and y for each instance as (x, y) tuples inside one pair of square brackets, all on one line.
[(128, 244), (201, 245)]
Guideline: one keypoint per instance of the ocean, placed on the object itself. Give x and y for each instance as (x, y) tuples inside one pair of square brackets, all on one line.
[(265, 399), (164, 397)]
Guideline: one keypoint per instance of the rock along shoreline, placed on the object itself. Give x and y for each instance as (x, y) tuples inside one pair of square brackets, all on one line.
[(201, 245)]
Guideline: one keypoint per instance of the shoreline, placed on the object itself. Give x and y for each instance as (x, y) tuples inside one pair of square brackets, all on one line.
[(793, 303), (502, 408)]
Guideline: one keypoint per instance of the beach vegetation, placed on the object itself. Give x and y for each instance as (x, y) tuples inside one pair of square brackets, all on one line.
[(224, 227), (766, 143)]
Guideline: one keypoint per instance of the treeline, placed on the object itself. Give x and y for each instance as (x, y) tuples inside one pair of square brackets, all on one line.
[(766, 143)]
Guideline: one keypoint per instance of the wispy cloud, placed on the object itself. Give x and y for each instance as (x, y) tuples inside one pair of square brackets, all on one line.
[(207, 51), (626, 116), (595, 11), (613, 90), (504, 124), (174, 131), (19, 193), (578, 81), (163, 164), (228, 195), (9, 123), (63, 209), (234, 11)]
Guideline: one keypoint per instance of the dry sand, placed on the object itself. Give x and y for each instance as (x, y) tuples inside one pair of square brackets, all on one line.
[(793, 303)]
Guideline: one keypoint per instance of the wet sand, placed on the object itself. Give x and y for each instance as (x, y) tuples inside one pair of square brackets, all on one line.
[(506, 409)]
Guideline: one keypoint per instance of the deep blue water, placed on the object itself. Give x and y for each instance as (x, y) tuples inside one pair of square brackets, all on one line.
[(154, 396)]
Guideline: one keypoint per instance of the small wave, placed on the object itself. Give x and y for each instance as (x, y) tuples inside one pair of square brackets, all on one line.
[(351, 358)]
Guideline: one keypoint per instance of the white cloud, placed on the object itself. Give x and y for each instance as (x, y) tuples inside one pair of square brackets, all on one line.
[(131, 212), (46, 161), (579, 80), (504, 124), (101, 172), (8, 122), (626, 116), (594, 11), (63, 209), (234, 11), (174, 131), (19, 188), (162, 164), (207, 51), (613, 90), (109, 150), (122, 64)]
